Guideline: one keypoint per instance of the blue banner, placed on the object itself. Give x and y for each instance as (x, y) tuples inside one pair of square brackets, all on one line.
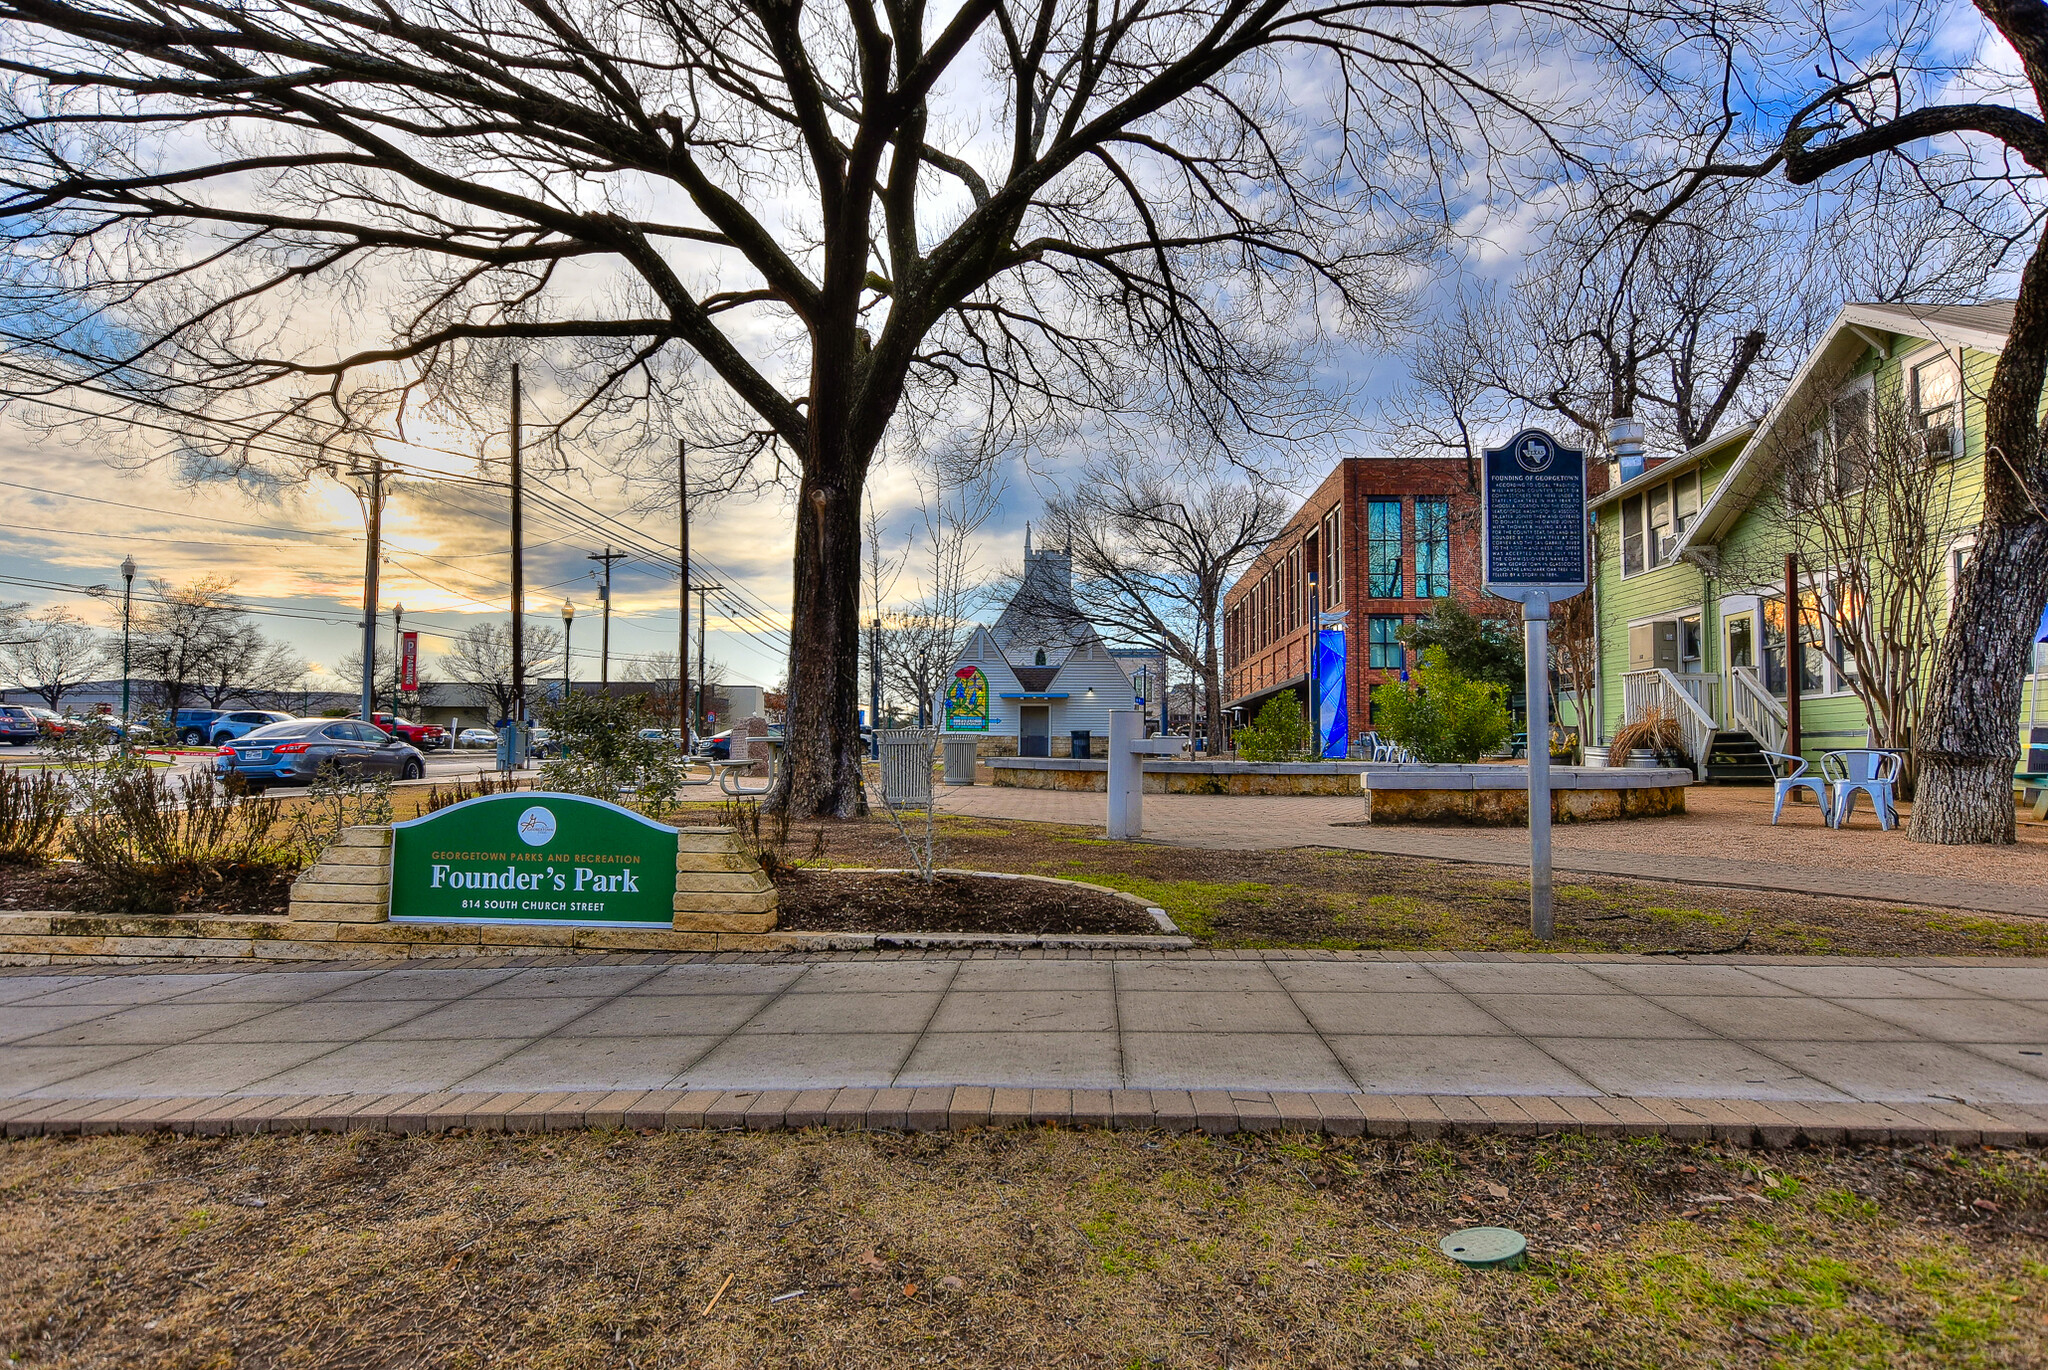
[(1330, 673)]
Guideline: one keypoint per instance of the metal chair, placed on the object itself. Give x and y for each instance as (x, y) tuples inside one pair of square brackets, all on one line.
[(1798, 779), (1868, 770)]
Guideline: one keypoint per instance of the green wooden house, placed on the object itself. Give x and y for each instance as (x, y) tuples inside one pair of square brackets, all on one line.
[(1690, 553)]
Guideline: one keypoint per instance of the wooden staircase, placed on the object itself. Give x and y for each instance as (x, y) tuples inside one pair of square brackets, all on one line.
[(1737, 758)]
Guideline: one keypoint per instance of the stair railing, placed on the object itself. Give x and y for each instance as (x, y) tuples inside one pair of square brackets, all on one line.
[(1643, 691), (1755, 710)]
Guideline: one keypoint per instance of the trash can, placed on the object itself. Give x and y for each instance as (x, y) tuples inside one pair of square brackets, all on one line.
[(960, 754), (1079, 741), (907, 766)]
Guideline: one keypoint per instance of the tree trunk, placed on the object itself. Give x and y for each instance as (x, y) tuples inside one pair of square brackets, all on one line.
[(1967, 743), (821, 774), (1212, 691)]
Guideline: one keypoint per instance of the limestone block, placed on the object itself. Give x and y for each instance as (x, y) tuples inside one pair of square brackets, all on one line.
[(526, 935), (706, 839), (726, 901), (326, 951), (1585, 806), (734, 920), (326, 872), (327, 911), (653, 938), (35, 924), (730, 860), (340, 854), (414, 934), (724, 882), (378, 835)]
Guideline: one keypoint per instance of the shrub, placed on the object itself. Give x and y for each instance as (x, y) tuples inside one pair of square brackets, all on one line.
[(32, 805), (157, 843), (1477, 648), (463, 790), (1279, 733), (603, 755), (1443, 715), (333, 802)]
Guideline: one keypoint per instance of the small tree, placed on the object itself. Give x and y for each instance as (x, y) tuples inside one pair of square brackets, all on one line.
[(1279, 733), (1475, 647), (603, 755), (1443, 715), (52, 654), (482, 660)]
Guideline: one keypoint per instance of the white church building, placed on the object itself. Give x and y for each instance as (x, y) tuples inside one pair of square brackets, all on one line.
[(1039, 675)]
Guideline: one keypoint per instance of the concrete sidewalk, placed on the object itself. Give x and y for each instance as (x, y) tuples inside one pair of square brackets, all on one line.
[(1813, 1031), (1253, 823)]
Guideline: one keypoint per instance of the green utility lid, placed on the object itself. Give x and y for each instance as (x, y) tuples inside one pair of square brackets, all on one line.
[(1486, 1248)]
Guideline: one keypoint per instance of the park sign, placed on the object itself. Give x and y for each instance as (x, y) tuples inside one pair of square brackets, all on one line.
[(1534, 511), (534, 858)]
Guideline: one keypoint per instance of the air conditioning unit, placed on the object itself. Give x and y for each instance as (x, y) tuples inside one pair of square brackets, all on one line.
[(1938, 443), (1654, 645)]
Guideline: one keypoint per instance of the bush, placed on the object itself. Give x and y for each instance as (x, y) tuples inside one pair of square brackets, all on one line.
[(157, 844), (1483, 649), (602, 754), (1443, 715), (1279, 733), (32, 805)]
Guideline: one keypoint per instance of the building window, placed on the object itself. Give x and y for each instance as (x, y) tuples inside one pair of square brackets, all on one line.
[(1632, 535), (1383, 548), (1333, 557), (1383, 644), (1654, 522), (1936, 406), (1432, 548)]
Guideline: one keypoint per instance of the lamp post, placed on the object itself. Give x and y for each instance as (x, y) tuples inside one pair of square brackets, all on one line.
[(568, 619), (923, 694), (127, 602), (1315, 686), (397, 656)]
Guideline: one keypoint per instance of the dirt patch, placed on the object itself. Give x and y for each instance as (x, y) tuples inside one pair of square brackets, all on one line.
[(1009, 1249), (66, 886), (1344, 900), (833, 901)]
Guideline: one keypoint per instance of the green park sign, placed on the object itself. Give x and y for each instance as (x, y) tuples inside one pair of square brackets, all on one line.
[(533, 858)]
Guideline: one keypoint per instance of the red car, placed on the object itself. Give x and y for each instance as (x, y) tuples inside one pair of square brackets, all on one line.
[(425, 736)]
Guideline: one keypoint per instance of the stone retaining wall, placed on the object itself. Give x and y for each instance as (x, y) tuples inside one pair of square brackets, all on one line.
[(1498, 796), (1185, 777)]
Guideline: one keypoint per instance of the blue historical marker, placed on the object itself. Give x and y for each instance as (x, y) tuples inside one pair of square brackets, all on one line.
[(1533, 509), (1535, 518)]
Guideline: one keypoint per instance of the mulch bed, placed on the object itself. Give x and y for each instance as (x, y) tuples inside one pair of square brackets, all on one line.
[(842, 901), (67, 887)]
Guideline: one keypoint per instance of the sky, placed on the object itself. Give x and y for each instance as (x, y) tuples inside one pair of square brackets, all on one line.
[(75, 506)]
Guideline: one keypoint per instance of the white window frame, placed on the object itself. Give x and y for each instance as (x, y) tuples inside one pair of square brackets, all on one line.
[(1909, 369)]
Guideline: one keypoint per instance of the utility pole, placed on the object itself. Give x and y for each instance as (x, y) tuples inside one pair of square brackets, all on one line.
[(398, 657), (518, 588), (374, 521), (127, 603), (685, 721), (604, 593), (701, 591)]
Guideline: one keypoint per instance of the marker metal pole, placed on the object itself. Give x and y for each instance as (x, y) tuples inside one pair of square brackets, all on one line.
[(1536, 653)]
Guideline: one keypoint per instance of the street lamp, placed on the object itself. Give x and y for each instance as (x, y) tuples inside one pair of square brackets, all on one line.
[(127, 601), (568, 618), (923, 693)]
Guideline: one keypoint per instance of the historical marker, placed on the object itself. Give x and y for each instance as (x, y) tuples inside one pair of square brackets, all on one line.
[(1534, 514), (534, 858)]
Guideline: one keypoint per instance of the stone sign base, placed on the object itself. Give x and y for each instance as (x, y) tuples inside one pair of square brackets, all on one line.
[(1498, 796), (719, 888)]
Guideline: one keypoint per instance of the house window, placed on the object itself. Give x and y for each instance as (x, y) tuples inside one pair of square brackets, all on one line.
[(1333, 554), (1432, 548), (1383, 548), (1937, 407), (1383, 642), (1662, 535), (1632, 535), (1685, 502)]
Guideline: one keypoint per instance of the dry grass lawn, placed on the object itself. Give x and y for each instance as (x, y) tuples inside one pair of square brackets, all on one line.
[(1040, 1248)]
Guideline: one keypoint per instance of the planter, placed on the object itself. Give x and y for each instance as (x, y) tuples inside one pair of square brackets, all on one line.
[(1643, 760), (1596, 756)]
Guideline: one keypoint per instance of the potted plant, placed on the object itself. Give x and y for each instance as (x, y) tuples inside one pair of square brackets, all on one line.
[(1648, 741)]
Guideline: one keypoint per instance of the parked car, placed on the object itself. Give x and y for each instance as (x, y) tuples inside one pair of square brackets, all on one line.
[(718, 746), (194, 726), (293, 753), (242, 722), (674, 735), (543, 743), (477, 737), (425, 736), (18, 726)]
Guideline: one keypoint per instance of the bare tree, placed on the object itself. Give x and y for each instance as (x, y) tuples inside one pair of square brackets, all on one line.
[(1867, 495), (243, 664), (305, 219), (52, 655), (1978, 147), (481, 659), (185, 636), (957, 495), (1155, 548)]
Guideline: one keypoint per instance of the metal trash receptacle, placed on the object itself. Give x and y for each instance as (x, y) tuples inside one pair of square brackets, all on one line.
[(907, 766), (1078, 741), (960, 757)]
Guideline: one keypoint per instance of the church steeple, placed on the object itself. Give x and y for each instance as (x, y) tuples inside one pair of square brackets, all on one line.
[(1027, 542)]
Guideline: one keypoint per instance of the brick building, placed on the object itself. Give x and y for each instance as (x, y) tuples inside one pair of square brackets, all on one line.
[(1384, 536)]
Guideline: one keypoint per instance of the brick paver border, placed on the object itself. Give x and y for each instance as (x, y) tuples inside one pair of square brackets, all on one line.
[(959, 1108)]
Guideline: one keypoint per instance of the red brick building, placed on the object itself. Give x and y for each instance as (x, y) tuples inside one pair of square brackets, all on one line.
[(1384, 536)]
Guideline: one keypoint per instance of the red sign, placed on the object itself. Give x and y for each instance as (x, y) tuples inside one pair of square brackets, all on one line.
[(408, 661)]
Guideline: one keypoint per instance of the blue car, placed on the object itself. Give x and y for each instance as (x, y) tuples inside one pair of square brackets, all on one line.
[(18, 726), (294, 753), (242, 722)]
